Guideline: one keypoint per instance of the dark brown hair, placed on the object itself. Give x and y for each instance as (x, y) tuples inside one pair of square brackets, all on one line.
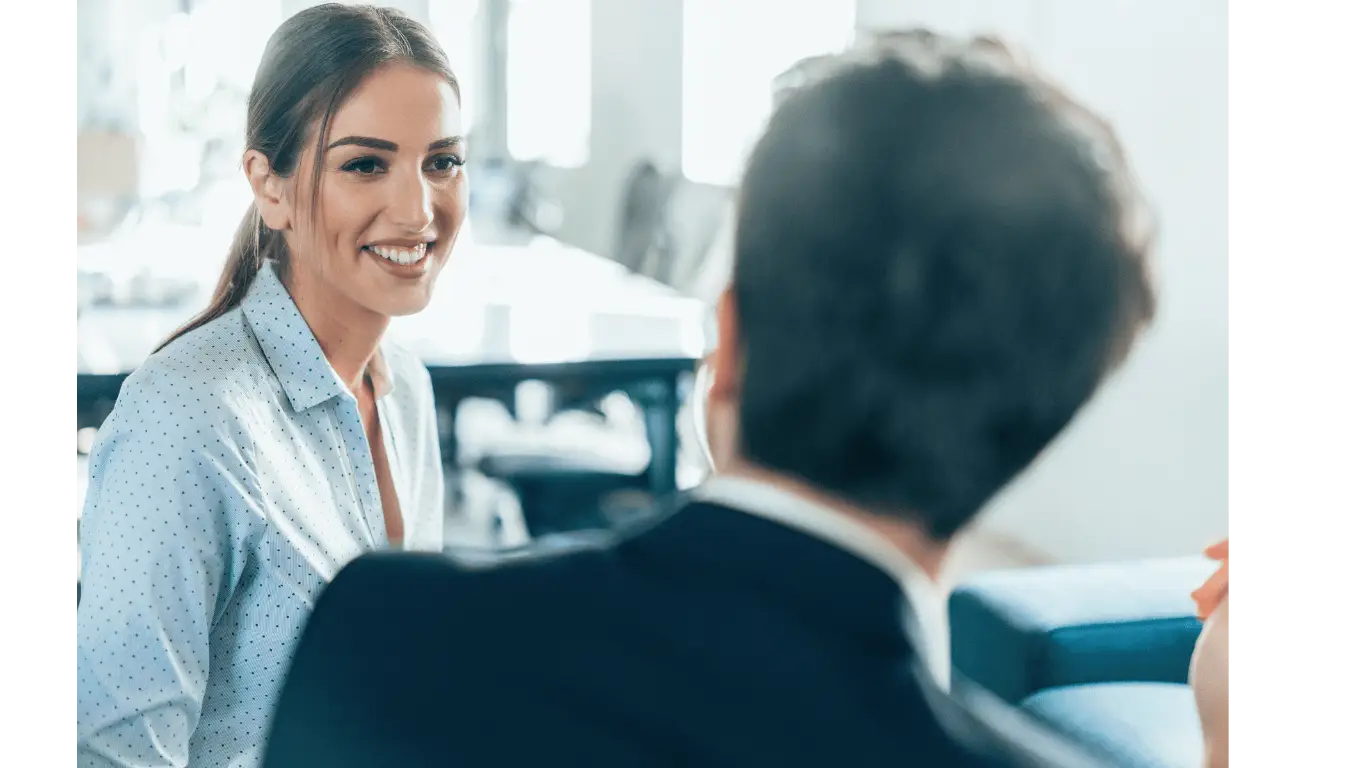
[(312, 63), (939, 257)]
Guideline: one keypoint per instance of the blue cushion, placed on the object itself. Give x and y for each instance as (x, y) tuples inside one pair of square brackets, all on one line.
[(1018, 632), (1137, 725)]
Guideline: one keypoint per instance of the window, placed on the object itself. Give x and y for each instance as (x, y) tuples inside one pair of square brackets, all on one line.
[(732, 51), (459, 26), (549, 80)]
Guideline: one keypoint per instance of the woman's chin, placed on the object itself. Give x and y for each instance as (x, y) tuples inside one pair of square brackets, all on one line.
[(408, 308), (402, 303)]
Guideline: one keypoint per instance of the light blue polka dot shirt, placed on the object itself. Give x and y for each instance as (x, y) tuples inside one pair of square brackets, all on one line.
[(231, 482)]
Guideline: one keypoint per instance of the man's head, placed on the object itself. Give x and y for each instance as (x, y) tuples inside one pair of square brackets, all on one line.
[(938, 259)]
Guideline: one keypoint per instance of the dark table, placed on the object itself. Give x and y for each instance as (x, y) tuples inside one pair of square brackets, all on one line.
[(500, 315)]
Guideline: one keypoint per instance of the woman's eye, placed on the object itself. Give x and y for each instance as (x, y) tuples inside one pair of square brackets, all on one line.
[(365, 166), (446, 164)]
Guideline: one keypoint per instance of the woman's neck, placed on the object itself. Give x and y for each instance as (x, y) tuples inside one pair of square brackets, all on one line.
[(348, 333)]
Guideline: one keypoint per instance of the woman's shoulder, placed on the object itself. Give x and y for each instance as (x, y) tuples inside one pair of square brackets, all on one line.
[(201, 374)]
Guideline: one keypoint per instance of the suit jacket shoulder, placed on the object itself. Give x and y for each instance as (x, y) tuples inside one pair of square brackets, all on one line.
[(710, 638)]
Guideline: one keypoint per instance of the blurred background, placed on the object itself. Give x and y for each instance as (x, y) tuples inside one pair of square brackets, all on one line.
[(606, 138)]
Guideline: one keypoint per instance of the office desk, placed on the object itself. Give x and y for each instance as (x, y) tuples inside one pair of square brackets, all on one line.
[(500, 315)]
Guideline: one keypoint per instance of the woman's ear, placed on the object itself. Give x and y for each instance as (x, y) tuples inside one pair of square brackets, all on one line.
[(271, 191)]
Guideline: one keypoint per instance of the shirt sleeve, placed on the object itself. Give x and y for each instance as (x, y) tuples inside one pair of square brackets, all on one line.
[(157, 531)]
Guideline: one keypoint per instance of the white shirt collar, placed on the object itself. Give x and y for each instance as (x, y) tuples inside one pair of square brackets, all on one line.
[(930, 622)]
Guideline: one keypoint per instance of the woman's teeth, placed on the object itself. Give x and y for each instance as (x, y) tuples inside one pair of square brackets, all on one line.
[(400, 255)]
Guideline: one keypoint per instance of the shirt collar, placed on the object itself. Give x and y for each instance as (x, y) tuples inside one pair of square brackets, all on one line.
[(929, 620), (293, 351)]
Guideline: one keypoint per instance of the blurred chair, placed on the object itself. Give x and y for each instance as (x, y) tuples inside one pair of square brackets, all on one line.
[(564, 493), (1100, 653), (644, 242), (531, 206), (570, 469)]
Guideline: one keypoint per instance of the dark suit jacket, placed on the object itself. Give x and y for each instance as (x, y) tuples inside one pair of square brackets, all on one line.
[(711, 637)]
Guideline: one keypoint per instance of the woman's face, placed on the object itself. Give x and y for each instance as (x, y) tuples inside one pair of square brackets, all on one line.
[(393, 195)]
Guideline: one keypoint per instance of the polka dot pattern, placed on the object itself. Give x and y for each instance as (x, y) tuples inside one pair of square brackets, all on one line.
[(231, 482)]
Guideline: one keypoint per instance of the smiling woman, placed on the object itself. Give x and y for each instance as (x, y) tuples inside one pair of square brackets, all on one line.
[(391, 197), (277, 436)]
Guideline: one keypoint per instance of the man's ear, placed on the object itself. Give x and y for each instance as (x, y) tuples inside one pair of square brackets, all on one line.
[(271, 191), (726, 363)]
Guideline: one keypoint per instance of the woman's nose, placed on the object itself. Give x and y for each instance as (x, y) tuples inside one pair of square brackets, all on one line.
[(410, 205)]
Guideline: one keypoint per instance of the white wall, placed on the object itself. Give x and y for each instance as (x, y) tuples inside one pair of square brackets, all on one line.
[(1144, 471)]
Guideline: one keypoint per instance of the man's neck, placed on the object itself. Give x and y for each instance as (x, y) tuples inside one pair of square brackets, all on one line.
[(1216, 757), (905, 536)]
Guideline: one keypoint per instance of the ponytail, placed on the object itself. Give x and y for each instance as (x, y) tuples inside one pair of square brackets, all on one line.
[(252, 246)]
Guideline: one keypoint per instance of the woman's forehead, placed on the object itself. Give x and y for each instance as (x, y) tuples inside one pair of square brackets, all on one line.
[(402, 104)]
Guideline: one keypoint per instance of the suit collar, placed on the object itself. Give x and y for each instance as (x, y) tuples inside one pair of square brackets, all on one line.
[(816, 520), (828, 584)]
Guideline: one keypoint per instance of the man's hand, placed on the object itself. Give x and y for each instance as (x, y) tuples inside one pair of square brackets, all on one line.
[(1209, 663)]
